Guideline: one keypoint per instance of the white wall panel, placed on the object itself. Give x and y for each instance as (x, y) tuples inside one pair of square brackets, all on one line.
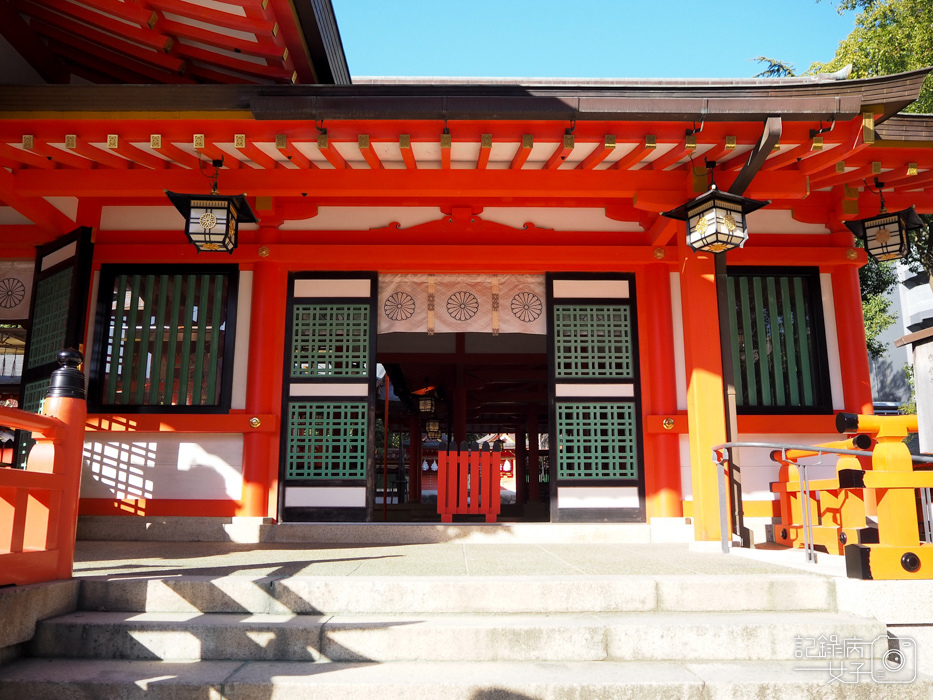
[(163, 465), (333, 288), (241, 347), (591, 289), (680, 362), (325, 497), (597, 497), (832, 341)]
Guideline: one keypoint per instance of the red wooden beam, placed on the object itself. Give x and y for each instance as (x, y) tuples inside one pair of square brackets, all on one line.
[(292, 153), (485, 147), (102, 45), (65, 13), (636, 154), (853, 143), (683, 149), (599, 154), (524, 150), (804, 150), (210, 75), (204, 146), (404, 145), (260, 27), (262, 47), (289, 33), (328, 151), (249, 68), (122, 69), (173, 152), (26, 157), (137, 155), (132, 11), (724, 146), (857, 175), (254, 153), (369, 153), (56, 154), (36, 209), (560, 154), (27, 44), (662, 231), (79, 145)]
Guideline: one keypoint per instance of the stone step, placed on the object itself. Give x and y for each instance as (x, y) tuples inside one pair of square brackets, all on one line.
[(316, 595), (58, 679), (385, 638)]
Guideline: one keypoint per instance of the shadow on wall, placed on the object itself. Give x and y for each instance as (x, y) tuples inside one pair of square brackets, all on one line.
[(177, 466), (889, 382)]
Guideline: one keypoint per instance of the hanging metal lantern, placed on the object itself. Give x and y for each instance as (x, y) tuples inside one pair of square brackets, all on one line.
[(212, 220), (426, 404), (885, 236), (716, 220), (432, 426)]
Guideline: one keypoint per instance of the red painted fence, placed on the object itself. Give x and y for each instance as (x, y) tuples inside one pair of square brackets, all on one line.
[(39, 505), (468, 480)]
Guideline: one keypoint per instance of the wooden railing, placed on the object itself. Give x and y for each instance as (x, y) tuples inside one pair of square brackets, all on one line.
[(468, 480), (39, 504)]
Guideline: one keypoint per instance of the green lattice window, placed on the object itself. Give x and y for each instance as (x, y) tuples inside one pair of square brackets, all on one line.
[(597, 441), (50, 318), (166, 338), (776, 331), (330, 340), (593, 342), (326, 440)]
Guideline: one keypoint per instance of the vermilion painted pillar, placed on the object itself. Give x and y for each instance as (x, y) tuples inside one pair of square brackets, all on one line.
[(850, 330), (659, 392), (264, 388), (705, 402)]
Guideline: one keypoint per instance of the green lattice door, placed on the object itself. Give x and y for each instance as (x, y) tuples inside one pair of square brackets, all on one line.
[(327, 416), (597, 474), (56, 319)]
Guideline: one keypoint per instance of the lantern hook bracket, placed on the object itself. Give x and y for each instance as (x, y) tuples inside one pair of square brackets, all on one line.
[(212, 177)]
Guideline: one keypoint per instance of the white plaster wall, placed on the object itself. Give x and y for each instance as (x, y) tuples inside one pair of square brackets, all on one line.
[(186, 466)]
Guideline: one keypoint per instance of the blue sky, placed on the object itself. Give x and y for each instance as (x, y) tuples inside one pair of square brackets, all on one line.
[(585, 38)]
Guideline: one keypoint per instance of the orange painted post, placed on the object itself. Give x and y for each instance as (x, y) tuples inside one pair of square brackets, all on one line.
[(462, 484), (705, 400), (850, 329), (67, 401), (264, 388), (443, 477), (659, 392)]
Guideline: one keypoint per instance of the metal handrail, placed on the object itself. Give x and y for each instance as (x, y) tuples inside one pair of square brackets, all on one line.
[(816, 449)]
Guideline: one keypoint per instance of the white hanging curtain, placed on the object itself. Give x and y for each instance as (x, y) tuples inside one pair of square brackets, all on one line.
[(462, 304), (15, 289)]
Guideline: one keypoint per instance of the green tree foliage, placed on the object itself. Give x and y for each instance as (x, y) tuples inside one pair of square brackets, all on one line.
[(890, 36), (774, 68)]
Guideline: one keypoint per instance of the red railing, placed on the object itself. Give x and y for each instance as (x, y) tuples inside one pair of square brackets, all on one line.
[(468, 480), (39, 504)]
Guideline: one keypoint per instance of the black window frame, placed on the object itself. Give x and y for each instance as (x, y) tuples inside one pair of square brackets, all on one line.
[(97, 367)]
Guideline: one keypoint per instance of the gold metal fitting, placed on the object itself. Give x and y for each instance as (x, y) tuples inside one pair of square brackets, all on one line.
[(263, 251), (254, 422), (852, 254), (659, 253), (668, 423)]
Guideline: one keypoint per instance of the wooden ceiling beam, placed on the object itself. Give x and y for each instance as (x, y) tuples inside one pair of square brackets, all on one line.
[(599, 154), (78, 145), (254, 153), (770, 136), (173, 152), (853, 143), (263, 70), (122, 69), (369, 153), (211, 151), (103, 45), (806, 149), (683, 149), (64, 9), (210, 75), (845, 178), (292, 153), (724, 146), (27, 44), (330, 153), (563, 150), (119, 145), (36, 209), (130, 11), (524, 150), (662, 231), (485, 148), (262, 47), (47, 150), (25, 157), (408, 156), (227, 20), (647, 145)]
